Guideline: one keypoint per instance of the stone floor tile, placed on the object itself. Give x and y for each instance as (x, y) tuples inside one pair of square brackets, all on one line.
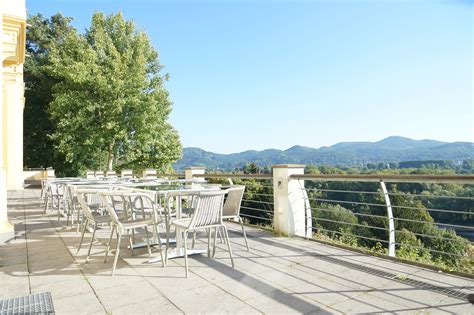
[(79, 304), (285, 302), (209, 299), (126, 294), (61, 289), (155, 305)]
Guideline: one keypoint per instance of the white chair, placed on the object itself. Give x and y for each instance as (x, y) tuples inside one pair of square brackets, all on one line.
[(111, 174), (127, 225), (207, 215), (55, 194), (231, 209), (85, 198), (126, 174)]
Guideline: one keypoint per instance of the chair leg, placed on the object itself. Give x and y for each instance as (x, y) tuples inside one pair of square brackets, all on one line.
[(130, 240), (119, 238), (67, 216), (245, 234), (209, 238), (167, 238), (160, 245), (220, 236), (147, 241), (92, 241), (215, 241), (226, 236), (78, 219), (108, 244), (186, 252), (82, 236), (46, 204), (59, 209), (194, 239)]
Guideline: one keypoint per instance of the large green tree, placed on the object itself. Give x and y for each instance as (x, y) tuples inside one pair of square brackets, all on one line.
[(41, 35), (109, 103)]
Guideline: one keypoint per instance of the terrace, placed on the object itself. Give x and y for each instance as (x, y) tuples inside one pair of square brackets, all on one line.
[(278, 275)]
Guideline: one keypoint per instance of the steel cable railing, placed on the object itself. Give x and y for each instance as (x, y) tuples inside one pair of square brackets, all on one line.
[(354, 213)]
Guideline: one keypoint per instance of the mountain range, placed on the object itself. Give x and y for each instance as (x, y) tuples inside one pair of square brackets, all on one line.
[(391, 149)]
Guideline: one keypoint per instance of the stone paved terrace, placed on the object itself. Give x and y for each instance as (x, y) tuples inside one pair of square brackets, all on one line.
[(278, 275)]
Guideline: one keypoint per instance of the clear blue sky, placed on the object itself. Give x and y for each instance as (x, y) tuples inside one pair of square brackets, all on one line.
[(271, 74)]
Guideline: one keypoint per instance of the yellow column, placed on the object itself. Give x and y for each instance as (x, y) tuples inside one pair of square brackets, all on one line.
[(12, 54), (13, 102)]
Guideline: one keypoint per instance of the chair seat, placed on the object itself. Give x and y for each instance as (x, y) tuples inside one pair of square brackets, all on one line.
[(101, 218), (227, 217), (184, 223), (136, 224)]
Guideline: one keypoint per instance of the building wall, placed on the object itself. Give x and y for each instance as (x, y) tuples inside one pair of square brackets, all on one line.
[(12, 52)]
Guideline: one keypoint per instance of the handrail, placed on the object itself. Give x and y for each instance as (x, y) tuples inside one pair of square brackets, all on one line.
[(171, 175), (228, 175), (392, 178)]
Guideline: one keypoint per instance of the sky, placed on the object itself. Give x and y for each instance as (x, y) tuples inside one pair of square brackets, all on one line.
[(253, 75)]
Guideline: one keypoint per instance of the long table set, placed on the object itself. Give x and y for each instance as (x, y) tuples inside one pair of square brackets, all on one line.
[(130, 207)]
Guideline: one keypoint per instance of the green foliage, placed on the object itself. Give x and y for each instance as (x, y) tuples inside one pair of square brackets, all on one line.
[(332, 218), (412, 248), (109, 104), (41, 36), (421, 233)]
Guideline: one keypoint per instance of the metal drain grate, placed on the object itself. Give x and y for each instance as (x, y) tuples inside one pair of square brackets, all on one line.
[(40, 303), (415, 283), (451, 292)]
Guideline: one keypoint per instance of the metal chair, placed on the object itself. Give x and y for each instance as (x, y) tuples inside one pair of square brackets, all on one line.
[(207, 215), (231, 209), (128, 224), (55, 194), (85, 197)]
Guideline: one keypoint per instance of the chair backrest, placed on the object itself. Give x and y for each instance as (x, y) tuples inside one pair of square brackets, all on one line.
[(56, 189), (111, 174), (233, 201), (149, 173), (208, 209), (126, 174), (81, 199), (132, 201)]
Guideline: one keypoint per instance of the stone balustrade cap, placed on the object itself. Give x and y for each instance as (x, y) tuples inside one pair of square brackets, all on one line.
[(288, 166)]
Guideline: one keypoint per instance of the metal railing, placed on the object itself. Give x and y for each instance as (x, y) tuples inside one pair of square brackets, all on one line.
[(426, 218), (409, 216)]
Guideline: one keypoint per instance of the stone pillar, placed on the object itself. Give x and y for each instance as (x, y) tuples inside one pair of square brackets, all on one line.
[(12, 54), (13, 102), (6, 228), (189, 173), (289, 200)]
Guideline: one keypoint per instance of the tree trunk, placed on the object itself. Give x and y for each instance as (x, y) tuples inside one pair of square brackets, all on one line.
[(110, 159)]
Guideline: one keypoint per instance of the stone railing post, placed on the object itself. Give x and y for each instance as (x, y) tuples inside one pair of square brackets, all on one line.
[(189, 172), (289, 200)]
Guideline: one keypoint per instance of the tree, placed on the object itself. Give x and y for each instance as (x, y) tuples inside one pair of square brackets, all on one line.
[(109, 103), (40, 37)]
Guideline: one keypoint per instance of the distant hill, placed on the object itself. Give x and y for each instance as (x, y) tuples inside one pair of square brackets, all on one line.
[(391, 149)]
